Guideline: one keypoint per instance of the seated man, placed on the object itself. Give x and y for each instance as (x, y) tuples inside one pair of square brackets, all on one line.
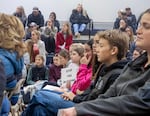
[(37, 17), (79, 20)]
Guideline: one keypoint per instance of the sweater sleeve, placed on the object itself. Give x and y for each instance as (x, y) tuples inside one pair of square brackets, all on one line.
[(133, 104)]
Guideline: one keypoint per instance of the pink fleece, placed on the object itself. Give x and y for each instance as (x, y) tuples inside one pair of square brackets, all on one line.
[(83, 79)]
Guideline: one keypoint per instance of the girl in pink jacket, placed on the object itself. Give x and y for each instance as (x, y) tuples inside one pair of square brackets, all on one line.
[(83, 78)]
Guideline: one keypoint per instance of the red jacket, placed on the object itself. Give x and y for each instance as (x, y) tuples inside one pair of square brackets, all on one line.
[(60, 41)]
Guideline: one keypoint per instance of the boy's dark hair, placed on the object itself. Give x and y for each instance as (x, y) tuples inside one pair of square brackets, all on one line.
[(116, 38), (64, 53)]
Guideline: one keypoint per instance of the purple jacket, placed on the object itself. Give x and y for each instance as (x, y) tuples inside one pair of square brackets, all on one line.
[(54, 73)]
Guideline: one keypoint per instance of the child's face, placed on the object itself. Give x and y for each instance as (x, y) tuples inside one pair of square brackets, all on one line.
[(56, 61), (63, 61), (75, 58), (38, 61), (104, 51), (135, 54)]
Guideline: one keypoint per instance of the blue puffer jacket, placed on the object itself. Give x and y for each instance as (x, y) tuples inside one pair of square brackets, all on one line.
[(13, 70)]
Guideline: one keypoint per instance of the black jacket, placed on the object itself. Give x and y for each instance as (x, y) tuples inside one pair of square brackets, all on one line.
[(105, 78), (39, 20), (129, 95), (78, 18)]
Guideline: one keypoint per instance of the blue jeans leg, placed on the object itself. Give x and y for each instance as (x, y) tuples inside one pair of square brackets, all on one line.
[(82, 27), (76, 28), (52, 100)]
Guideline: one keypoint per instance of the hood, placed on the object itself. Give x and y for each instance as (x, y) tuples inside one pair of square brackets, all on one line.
[(120, 64)]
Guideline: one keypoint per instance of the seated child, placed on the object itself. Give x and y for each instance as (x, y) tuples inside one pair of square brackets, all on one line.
[(37, 75), (55, 70), (38, 71)]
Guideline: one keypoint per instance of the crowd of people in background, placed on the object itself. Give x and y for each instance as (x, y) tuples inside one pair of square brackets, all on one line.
[(111, 70)]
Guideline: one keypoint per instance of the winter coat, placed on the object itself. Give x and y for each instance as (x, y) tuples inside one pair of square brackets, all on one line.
[(78, 18), (39, 19)]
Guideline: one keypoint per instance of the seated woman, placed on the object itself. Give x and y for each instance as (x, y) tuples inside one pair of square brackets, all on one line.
[(20, 13), (53, 17), (79, 19), (38, 44), (48, 36), (64, 38)]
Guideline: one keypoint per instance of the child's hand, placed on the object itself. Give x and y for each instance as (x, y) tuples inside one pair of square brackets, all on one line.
[(85, 59), (68, 95), (79, 92)]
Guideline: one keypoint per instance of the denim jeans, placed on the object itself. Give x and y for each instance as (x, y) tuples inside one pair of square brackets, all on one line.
[(79, 27), (52, 100)]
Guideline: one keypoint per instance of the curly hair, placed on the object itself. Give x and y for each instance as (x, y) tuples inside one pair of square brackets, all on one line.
[(11, 34)]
